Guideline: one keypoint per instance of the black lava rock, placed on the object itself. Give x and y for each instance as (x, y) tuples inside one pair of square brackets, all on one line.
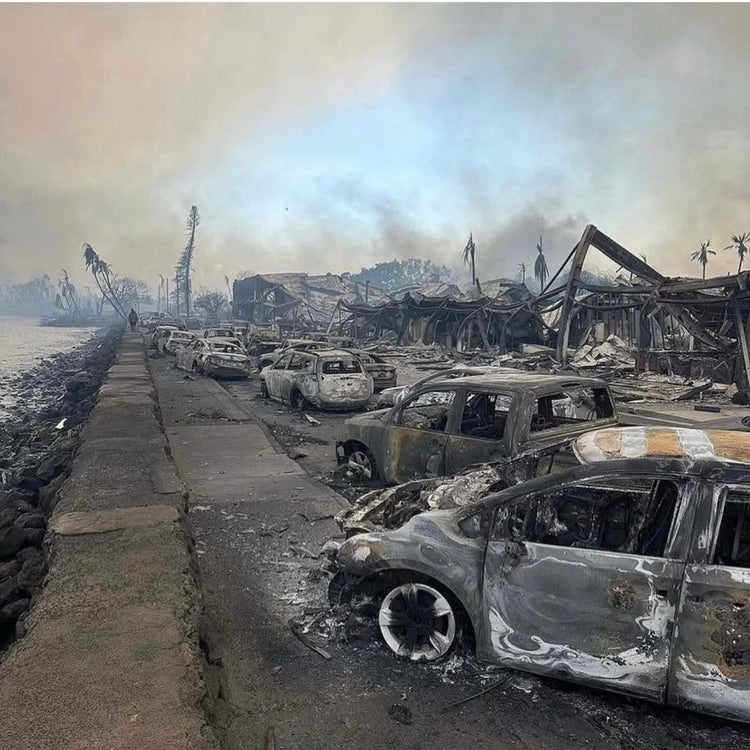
[(32, 521), (8, 569), (7, 517), (8, 590), (32, 574), (12, 539), (35, 537), (11, 612)]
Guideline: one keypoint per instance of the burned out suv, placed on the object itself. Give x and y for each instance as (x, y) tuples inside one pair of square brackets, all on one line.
[(447, 425)]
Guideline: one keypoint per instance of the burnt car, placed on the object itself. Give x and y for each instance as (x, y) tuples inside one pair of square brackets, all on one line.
[(327, 379), (302, 345), (383, 373), (395, 394), (161, 333), (176, 340), (449, 424), (220, 333), (216, 357), (630, 572)]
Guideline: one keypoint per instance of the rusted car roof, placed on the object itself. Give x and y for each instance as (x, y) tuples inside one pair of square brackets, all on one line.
[(668, 442), (521, 381)]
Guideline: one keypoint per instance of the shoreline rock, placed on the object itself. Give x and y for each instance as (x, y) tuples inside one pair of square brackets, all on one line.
[(37, 444)]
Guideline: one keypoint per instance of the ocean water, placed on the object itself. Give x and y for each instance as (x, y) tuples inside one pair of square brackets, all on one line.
[(23, 343)]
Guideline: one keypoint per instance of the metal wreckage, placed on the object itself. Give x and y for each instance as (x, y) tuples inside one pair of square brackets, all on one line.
[(626, 565)]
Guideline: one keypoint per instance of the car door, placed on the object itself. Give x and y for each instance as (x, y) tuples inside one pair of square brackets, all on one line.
[(417, 436), (581, 581), (274, 376), (479, 436), (203, 351), (711, 652)]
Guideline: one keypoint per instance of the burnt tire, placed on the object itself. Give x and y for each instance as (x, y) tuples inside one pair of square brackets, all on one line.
[(418, 622), (264, 390)]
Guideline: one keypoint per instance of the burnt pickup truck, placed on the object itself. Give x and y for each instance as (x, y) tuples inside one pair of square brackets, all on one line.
[(446, 425)]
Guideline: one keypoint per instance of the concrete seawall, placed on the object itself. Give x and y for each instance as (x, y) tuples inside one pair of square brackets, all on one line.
[(111, 658)]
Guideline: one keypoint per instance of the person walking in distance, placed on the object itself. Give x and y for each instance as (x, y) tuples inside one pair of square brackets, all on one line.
[(133, 319)]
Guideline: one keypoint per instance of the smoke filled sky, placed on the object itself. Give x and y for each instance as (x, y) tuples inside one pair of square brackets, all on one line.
[(328, 137)]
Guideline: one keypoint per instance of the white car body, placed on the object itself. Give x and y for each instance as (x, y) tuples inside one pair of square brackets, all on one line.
[(178, 339), (217, 358), (328, 379)]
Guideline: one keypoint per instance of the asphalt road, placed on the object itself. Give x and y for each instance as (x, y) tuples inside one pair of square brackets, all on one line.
[(259, 521)]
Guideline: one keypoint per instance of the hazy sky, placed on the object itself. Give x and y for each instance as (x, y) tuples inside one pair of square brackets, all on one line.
[(327, 137)]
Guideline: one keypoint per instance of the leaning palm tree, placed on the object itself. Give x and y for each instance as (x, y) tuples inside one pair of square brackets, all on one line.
[(541, 272), (739, 241), (102, 274), (468, 257), (702, 255)]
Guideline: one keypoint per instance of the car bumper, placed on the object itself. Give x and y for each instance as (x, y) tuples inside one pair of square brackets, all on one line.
[(226, 371)]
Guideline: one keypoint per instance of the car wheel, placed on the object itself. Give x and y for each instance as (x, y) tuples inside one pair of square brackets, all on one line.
[(417, 622), (362, 463), (297, 400), (264, 390)]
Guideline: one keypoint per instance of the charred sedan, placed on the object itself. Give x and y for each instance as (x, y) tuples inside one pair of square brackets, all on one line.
[(214, 357), (176, 340), (328, 379), (449, 424), (383, 373), (630, 573)]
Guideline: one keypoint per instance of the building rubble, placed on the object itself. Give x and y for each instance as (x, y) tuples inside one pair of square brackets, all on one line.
[(694, 331)]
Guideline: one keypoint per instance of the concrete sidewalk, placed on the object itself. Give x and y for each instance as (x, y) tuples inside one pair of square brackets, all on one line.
[(258, 521), (111, 656)]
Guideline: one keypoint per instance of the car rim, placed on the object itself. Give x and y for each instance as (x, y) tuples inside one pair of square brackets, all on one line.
[(417, 622), (360, 464), (297, 400)]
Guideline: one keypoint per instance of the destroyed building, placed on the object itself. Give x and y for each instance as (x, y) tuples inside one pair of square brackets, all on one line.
[(693, 327), (424, 316), (642, 320), (297, 301)]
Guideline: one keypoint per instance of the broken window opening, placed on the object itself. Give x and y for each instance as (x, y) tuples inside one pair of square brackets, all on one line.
[(733, 542), (485, 415), (631, 515), (341, 367), (297, 362), (571, 407), (429, 411)]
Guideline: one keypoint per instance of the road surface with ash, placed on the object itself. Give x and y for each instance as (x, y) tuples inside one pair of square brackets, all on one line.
[(259, 521)]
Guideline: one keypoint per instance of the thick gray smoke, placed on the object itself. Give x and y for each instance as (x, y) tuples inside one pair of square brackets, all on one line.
[(114, 119)]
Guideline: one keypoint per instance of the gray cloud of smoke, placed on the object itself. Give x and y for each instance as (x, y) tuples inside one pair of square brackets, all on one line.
[(114, 117)]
